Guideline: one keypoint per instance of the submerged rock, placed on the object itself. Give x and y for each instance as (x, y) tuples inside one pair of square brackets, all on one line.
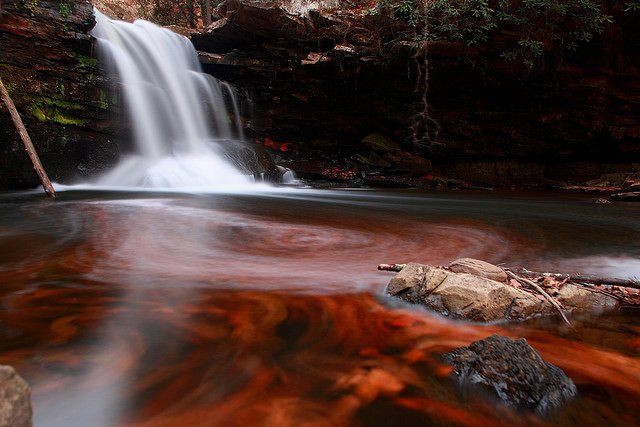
[(514, 371), (15, 399)]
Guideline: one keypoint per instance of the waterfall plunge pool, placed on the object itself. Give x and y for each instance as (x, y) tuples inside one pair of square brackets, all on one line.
[(266, 308)]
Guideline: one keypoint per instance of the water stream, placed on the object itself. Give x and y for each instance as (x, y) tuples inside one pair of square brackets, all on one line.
[(182, 118), (155, 309)]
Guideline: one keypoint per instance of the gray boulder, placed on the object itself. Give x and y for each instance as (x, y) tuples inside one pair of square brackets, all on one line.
[(514, 371), (15, 399)]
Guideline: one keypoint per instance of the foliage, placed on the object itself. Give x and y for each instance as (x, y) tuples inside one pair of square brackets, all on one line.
[(31, 6), (631, 5), (465, 21), (185, 13), (63, 8), (542, 27), (87, 61)]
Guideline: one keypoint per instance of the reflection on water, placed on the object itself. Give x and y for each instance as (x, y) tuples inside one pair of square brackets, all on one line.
[(159, 309)]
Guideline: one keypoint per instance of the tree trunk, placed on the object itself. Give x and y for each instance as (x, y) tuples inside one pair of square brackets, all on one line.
[(28, 145), (205, 9), (191, 13), (582, 278)]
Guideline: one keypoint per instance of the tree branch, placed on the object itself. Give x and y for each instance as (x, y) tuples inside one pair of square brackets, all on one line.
[(26, 140), (541, 291)]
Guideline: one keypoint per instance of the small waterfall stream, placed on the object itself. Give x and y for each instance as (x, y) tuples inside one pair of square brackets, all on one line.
[(180, 116)]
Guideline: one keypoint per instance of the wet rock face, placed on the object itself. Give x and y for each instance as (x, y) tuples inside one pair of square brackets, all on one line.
[(514, 371), (15, 399), (324, 77), (46, 63), (315, 89)]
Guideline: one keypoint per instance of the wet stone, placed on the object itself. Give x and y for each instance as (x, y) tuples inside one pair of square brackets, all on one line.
[(514, 371), (15, 399)]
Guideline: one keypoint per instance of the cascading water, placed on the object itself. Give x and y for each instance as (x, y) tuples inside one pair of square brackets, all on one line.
[(178, 113)]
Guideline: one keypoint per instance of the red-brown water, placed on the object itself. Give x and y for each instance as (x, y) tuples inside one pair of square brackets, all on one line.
[(157, 309)]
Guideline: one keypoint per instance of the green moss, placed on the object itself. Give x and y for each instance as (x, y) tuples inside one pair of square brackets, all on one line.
[(60, 89), (56, 111), (36, 111), (63, 8), (103, 104), (379, 143), (87, 61)]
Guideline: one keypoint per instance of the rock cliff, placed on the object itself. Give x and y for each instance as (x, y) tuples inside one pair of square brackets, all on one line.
[(47, 65), (343, 86), (322, 82)]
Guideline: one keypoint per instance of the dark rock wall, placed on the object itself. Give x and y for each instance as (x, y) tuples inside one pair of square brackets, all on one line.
[(323, 83), (575, 118), (48, 67)]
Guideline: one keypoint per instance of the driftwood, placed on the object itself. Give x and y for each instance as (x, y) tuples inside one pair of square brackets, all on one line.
[(26, 140), (582, 278), (541, 291), (391, 267)]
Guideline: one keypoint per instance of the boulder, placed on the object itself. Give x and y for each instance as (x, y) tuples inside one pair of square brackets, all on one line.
[(576, 298), (514, 371), (244, 23), (464, 291), (15, 403), (463, 295), (478, 268)]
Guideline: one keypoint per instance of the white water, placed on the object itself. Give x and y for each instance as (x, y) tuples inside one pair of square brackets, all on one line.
[(179, 114)]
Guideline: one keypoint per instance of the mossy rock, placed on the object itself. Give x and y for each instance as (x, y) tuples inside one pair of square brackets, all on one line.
[(379, 143), (48, 109)]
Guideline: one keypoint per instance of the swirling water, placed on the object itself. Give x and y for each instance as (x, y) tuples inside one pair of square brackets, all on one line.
[(266, 308)]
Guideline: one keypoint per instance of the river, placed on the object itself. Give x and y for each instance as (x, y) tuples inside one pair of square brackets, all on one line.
[(266, 307)]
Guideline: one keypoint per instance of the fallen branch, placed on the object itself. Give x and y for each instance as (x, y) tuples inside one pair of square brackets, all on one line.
[(592, 288), (26, 140), (391, 267), (581, 278), (541, 291)]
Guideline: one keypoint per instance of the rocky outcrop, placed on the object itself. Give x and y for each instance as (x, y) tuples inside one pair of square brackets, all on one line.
[(514, 371), (476, 290), (47, 66), (15, 399), (321, 82), (320, 90), (462, 295)]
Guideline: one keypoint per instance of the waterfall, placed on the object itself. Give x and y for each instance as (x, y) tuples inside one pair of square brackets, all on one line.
[(180, 116)]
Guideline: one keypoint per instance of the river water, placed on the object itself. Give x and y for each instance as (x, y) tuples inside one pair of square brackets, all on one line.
[(266, 308)]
